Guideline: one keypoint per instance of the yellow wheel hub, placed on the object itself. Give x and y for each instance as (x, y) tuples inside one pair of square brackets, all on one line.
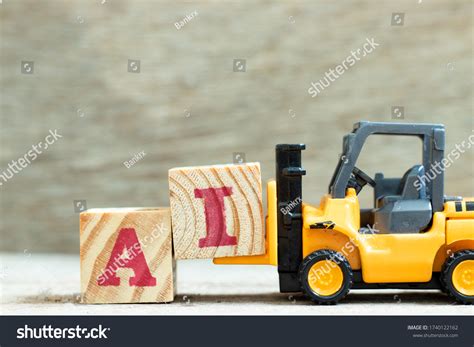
[(463, 277), (325, 278)]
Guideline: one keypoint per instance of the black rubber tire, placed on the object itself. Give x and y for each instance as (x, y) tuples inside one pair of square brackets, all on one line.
[(443, 285), (447, 272), (343, 264)]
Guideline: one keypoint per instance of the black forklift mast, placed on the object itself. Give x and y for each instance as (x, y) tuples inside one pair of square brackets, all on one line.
[(290, 223)]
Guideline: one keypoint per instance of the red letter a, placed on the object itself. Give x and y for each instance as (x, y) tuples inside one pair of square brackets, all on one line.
[(215, 217), (127, 239)]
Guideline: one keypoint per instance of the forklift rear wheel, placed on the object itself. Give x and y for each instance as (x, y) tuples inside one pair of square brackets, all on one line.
[(443, 285), (458, 276), (325, 276)]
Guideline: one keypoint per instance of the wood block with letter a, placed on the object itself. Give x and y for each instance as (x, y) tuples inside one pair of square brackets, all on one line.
[(216, 211), (126, 255)]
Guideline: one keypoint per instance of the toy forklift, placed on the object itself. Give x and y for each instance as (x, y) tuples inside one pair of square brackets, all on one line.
[(415, 237)]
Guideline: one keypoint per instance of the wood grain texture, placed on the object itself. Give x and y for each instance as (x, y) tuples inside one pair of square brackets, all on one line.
[(242, 208), (101, 236), (187, 107)]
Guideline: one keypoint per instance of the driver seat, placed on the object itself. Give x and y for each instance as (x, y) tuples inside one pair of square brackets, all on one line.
[(408, 210)]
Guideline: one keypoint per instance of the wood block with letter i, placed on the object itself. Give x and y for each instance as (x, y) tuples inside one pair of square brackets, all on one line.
[(126, 255), (216, 211)]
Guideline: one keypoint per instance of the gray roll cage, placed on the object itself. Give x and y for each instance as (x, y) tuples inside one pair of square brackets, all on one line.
[(433, 139)]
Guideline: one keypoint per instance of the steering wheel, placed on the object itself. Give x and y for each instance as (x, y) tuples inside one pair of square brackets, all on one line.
[(359, 179)]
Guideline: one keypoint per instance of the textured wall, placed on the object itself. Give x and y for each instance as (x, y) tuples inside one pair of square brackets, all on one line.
[(188, 107)]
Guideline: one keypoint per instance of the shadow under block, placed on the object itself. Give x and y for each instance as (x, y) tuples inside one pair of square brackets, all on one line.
[(126, 255), (216, 211)]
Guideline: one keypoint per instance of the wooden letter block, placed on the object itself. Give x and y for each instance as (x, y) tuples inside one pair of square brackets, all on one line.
[(216, 211), (126, 255)]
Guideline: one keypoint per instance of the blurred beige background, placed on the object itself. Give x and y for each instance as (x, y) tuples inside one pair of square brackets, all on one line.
[(187, 106)]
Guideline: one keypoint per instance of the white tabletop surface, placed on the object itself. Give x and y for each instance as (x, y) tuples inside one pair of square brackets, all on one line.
[(39, 284)]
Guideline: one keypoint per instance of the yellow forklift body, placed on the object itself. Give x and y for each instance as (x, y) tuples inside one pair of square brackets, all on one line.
[(426, 240), (459, 230), (383, 258), (335, 223)]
